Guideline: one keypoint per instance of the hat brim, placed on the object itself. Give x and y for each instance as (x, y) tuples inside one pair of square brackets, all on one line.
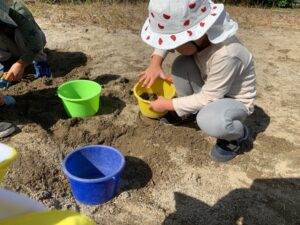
[(172, 41), (223, 28)]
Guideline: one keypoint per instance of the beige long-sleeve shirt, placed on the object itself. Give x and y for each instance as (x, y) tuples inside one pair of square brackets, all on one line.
[(227, 70)]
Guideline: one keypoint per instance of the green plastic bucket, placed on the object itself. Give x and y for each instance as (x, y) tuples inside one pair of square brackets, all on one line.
[(81, 98)]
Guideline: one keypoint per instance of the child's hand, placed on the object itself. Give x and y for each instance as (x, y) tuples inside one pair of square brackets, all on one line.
[(148, 76), (154, 71), (16, 71), (162, 105)]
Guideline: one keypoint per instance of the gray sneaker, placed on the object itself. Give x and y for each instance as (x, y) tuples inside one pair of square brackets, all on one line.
[(226, 150), (6, 129)]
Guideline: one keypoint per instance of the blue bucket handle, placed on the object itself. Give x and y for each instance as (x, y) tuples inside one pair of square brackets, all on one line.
[(117, 180)]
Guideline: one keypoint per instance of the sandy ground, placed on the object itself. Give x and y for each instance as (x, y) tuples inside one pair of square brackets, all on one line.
[(169, 177)]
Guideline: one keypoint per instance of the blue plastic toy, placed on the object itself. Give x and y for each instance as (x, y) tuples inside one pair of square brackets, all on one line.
[(94, 173)]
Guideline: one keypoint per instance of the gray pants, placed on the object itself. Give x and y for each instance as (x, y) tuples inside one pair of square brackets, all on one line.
[(222, 118), (16, 47)]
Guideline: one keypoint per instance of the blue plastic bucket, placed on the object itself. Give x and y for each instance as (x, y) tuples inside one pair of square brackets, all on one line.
[(94, 173)]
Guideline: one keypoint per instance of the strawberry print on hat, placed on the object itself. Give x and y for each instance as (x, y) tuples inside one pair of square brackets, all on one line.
[(187, 23), (161, 26), (173, 25), (160, 41), (166, 16), (192, 5), (173, 37)]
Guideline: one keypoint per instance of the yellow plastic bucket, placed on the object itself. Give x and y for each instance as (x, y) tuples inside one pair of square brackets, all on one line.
[(7, 155), (55, 217), (160, 88)]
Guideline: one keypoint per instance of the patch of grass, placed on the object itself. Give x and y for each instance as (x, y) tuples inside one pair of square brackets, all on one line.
[(110, 16), (248, 17), (113, 16)]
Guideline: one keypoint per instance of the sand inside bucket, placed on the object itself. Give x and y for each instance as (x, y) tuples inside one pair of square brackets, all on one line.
[(148, 96)]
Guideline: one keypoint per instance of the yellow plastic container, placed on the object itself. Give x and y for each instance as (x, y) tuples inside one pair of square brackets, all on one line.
[(7, 155), (160, 88), (55, 217)]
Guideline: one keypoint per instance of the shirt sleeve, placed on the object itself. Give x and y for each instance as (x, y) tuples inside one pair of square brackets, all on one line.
[(29, 29), (220, 77), (162, 53)]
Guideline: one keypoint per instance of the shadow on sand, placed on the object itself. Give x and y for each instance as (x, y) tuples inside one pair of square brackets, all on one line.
[(267, 201)]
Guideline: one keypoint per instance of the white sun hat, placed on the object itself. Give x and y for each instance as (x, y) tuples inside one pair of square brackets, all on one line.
[(172, 23), (222, 29), (4, 12)]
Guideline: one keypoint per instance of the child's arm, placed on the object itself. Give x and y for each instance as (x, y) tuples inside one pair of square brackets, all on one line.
[(29, 29), (154, 70), (220, 77), (32, 37)]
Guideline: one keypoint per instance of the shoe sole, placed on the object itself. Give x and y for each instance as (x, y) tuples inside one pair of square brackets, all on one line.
[(7, 132)]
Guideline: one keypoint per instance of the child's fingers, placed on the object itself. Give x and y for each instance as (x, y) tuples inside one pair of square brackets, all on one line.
[(9, 76), (150, 83), (142, 78), (169, 79), (146, 82), (5, 75), (166, 78), (151, 105)]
